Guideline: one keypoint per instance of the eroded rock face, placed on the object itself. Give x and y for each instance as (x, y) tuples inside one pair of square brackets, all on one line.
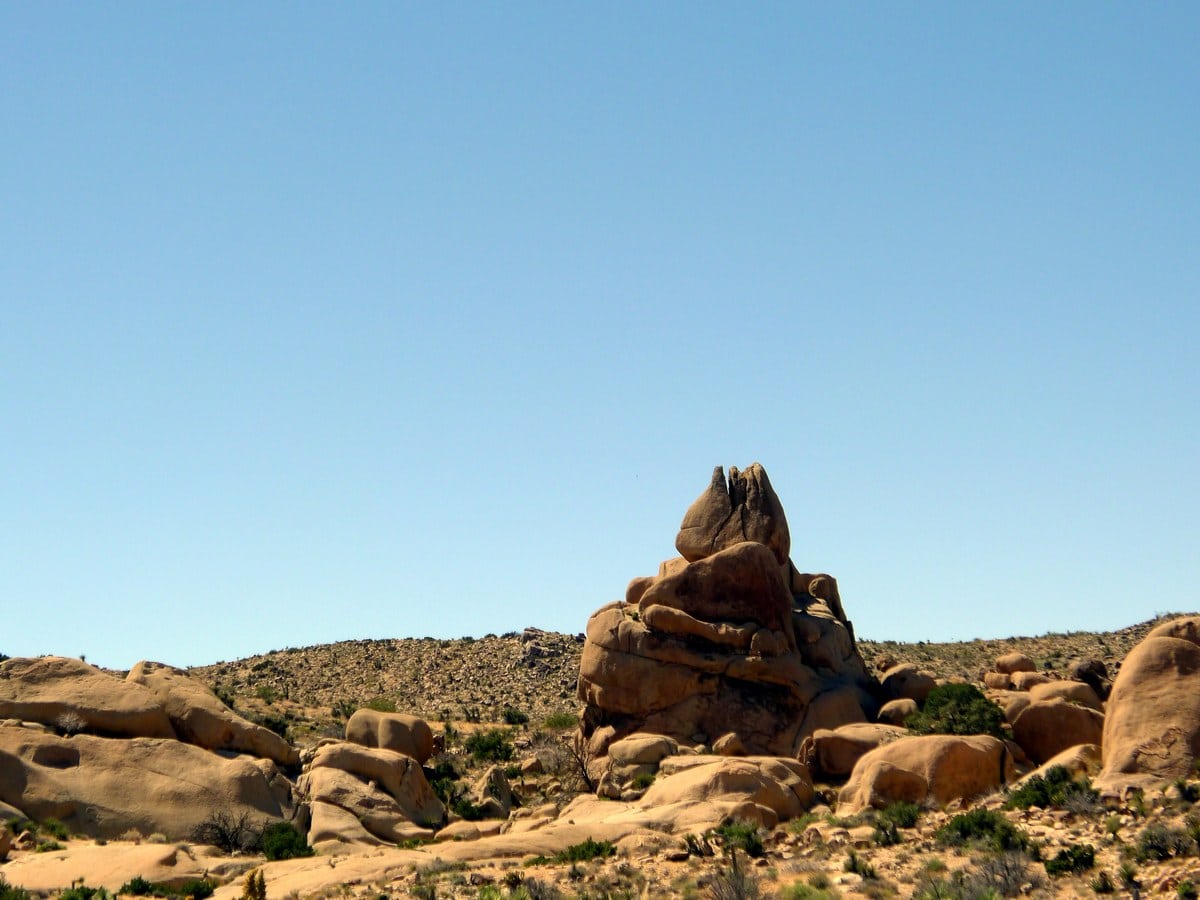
[(728, 642), (199, 717), (1152, 725), (103, 787)]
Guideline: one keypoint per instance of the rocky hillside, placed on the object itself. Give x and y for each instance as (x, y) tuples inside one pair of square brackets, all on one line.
[(312, 689)]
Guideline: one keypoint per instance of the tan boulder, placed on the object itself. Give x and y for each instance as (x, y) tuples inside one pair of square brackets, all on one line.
[(906, 681), (492, 794), (397, 775), (834, 752), (103, 787), (1024, 681), (73, 696), (739, 584), (199, 717), (398, 732), (112, 865), (896, 712), (768, 789), (1153, 723), (374, 808), (1071, 691), (1011, 663), (1094, 673), (743, 509), (642, 749), (936, 768), (999, 681), (1046, 728), (335, 830)]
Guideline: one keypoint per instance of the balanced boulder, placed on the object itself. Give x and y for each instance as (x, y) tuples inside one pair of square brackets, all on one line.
[(398, 732), (744, 508)]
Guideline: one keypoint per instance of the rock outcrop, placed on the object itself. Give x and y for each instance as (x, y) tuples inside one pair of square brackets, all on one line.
[(1152, 725), (727, 642), (398, 732)]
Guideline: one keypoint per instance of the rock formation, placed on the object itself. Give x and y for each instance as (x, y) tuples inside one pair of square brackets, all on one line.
[(728, 642), (1152, 727)]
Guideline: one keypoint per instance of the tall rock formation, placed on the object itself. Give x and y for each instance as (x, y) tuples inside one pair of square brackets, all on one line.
[(729, 638)]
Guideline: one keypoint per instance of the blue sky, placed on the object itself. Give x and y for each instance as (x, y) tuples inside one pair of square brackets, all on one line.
[(381, 320)]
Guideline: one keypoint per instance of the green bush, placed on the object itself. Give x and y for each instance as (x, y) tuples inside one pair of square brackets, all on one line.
[(197, 889), (55, 829), (560, 721), (982, 828), (1071, 861), (901, 813), (8, 892), (742, 836), (1055, 789), (856, 865), (283, 840), (492, 745), (586, 850), (514, 716), (80, 891), (381, 704), (957, 709), (1158, 842)]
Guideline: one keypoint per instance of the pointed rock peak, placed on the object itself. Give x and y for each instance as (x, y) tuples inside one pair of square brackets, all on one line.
[(728, 512)]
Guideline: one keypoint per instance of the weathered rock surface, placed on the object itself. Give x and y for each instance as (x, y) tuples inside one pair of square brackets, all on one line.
[(726, 643), (73, 696), (906, 682), (1152, 726), (744, 508), (104, 787), (936, 768), (398, 732), (834, 752), (199, 717), (1045, 728)]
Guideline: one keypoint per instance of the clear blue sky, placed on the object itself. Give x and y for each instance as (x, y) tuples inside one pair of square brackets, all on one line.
[(327, 321)]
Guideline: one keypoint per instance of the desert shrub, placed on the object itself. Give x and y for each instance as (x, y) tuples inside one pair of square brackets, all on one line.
[(55, 829), (1158, 842), (810, 891), (887, 834), (514, 716), (492, 745), (733, 882), (1000, 875), (8, 892), (1071, 861), (856, 865), (740, 835), (1188, 792), (560, 721), (283, 840), (343, 709), (80, 891), (1102, 884), (196, 888), (381, 704), (233, 834), (1055, 789), (1129, 879), (255, 887), (586, 850), (982, 828), (643, 780), (47, 846), (903, 814), (957, 709), (1186, 890), (266, 694), (137, 886)]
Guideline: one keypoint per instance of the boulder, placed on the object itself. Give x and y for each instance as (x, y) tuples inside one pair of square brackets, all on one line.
[(1011, 663), (906, 681), (744, 508), (1045, 728), (1024, 681), (927, 769), (726, 643), (1093, 673), (199, 717), (335, 830), (492, 794), (1081, 761), (72, 696), (766, 789), (896, 712), (1072, 691), (376, 811), (395, 774), (398, 732), (999, 681), (1152, 726), (103, 787), (834, 753)]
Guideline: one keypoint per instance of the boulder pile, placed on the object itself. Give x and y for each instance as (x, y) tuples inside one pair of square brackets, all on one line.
[(729, 643)]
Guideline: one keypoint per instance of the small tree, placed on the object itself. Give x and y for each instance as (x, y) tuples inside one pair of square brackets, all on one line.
[(957, 709)]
